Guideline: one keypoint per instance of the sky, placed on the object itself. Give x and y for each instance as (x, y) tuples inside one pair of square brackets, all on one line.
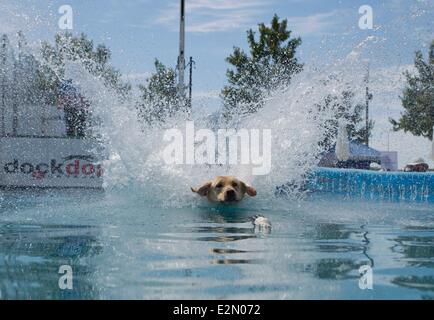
[(138, 31)]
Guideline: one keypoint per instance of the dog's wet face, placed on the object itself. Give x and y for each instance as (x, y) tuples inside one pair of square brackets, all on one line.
[(225, 189)]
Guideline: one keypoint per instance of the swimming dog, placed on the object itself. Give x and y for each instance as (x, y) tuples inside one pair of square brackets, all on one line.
[(225, 189)]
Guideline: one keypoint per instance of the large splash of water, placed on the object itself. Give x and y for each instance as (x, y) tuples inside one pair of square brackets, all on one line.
[(135, 153), (134, 160)]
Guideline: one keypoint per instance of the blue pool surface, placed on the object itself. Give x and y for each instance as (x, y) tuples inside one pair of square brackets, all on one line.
[(413, 186), (118, 246)]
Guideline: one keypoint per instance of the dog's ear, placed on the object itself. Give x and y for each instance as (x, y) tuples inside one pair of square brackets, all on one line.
[(249, 190), (203, 190)]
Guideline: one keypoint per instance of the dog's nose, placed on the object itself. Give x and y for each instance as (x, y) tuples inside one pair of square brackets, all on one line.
[(230, 195)]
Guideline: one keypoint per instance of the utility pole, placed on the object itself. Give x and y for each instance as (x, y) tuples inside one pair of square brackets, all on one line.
[(368, 97), (181, 57), (190, 85), (3, 74)]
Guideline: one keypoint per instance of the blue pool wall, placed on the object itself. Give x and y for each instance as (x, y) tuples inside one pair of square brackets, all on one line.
[(412, 186)]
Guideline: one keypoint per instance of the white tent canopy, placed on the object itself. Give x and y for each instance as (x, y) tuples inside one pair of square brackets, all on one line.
[(357, 152)]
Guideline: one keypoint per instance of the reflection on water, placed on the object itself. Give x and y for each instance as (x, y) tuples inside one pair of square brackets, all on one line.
[(335, 239), (30, 257), (126, 250), (222, 234), (423, 283), (417, 249)]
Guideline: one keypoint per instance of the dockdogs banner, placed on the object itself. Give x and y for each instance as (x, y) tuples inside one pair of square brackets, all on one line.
[(49, 162)]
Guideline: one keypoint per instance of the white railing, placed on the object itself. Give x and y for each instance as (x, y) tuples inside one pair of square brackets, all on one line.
[(33, 121)]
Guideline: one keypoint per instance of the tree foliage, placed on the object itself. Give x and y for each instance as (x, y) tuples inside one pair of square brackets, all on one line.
[(418, 98), (343, 108), (270, 63), (19, 71), (160, 97), (77, 48)]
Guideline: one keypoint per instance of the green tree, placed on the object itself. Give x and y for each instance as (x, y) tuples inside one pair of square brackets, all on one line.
[(270, 63), (418, 98), (159, 96), (77, 48), (342, 107)]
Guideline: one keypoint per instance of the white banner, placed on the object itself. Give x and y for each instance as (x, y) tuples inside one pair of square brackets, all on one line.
[(49, 162)]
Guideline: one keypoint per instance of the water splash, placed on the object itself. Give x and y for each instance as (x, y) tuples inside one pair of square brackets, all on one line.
[(136, 162), (134, 153)]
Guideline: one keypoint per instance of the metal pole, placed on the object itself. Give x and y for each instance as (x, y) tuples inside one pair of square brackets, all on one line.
[(190, 85), (3, 69), (190, 78), (368, 97), (181, 57)]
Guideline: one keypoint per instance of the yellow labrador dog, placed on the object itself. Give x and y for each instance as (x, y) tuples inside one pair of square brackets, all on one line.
[(225, 189)]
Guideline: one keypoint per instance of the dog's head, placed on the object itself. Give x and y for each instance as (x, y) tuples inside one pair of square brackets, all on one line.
[(225, 189)]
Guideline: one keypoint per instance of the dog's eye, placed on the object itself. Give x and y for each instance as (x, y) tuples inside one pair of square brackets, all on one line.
[(234, 184), (218, 186)]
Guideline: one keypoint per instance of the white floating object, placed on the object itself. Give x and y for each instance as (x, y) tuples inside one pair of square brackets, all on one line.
[(261, 222), (375, 166), (342, 144)]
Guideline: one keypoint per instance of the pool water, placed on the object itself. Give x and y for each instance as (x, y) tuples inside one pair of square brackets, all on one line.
[(120, 247)]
